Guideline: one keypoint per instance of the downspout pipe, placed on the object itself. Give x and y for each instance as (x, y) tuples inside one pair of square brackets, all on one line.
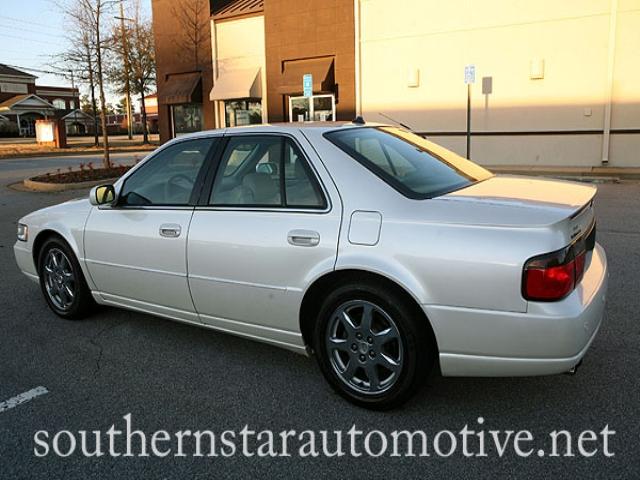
[(611, 55), (358, 55)]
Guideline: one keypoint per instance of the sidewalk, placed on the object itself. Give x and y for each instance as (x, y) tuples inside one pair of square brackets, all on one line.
[(621, 173)]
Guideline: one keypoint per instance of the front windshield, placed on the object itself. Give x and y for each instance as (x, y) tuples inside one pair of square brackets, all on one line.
[(409, 163)]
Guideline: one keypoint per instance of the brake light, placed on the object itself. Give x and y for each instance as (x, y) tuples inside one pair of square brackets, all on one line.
[(549, 283), (553, 276)]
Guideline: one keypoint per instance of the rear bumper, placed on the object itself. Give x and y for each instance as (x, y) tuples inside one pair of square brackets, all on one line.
[(549, 338)]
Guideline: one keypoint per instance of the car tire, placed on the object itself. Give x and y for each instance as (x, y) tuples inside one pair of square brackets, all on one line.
[(62, 281), (392, 353)]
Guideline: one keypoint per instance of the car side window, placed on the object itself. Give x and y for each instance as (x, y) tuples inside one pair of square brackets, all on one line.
[(265, 171), (169, 177), (302, 190)]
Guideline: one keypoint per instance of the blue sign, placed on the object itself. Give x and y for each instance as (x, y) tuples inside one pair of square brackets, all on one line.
[(307, 84), (469, 74)]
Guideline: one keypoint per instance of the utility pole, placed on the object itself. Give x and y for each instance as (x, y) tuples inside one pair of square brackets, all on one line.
[(75, 107), (127, 86)]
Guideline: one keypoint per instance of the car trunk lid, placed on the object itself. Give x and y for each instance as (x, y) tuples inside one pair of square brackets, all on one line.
[(522, 201)]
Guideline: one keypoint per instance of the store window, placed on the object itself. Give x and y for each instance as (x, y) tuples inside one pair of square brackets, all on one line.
[(242, 112), (318, 108), (186, 118)]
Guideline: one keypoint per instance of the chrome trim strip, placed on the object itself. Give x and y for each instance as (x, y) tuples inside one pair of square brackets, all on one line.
[(238, 282), (129, 267)]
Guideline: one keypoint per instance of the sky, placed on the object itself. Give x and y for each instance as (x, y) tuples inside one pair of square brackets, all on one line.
[(32, 32)]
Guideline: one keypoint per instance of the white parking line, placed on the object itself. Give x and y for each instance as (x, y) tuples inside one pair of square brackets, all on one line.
[(22, 398)]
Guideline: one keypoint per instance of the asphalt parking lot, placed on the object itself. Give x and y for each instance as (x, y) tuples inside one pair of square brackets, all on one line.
[(175, 377)]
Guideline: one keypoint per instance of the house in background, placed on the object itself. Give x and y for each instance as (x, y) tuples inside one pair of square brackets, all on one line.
[(22, 102)]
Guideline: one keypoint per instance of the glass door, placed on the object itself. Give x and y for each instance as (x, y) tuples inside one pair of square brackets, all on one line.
[(317, 108)]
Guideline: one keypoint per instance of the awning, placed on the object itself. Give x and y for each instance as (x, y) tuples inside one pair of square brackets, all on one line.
[(181, 88), (320, 68), (240, 83)]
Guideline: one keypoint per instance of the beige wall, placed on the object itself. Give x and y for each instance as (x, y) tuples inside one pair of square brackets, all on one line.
[(502, 38), (239, 44)]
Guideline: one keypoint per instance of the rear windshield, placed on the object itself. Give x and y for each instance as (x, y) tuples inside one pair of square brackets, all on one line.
[(412, 165)]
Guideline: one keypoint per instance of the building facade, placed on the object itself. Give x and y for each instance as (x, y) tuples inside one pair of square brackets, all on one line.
[(556, 82), (184, 74), (22, 102), (553, 84)]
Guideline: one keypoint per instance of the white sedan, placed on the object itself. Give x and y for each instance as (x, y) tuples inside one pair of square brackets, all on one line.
[(378, 251)]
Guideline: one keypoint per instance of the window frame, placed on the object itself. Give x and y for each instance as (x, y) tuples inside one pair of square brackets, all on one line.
[(392, 181), (215, 170), (216, 142)]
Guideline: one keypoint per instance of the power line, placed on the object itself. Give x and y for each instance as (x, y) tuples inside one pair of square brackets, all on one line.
[(29, 22), (22, 29), (24, 38), (38, 70)]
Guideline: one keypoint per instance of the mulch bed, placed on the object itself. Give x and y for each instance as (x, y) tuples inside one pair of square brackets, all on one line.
[(84, 174)]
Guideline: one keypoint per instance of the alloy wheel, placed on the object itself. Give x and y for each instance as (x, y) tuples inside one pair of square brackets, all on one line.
[(364, 347), (59, 279)]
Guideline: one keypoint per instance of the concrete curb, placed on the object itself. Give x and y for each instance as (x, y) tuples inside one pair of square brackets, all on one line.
[(589, 173), (61, 187), (75, 153)]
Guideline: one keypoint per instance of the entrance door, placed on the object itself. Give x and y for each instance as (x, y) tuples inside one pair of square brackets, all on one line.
[(136, 250), (317, 108)]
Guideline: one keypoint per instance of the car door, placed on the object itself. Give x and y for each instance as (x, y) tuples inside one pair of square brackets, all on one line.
[(264, 230), (136, 250)]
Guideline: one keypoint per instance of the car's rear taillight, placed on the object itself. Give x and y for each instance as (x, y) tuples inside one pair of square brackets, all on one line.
[(553, 276)]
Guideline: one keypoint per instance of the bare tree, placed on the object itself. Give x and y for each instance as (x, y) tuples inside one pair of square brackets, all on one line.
[(79, 61), (192, 15), (87, 17), (141, 62)]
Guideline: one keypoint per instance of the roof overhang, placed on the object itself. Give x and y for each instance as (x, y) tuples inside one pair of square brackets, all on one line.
[(25, 103), (320, 68), (77, 114), (181, 88), (240, 83)]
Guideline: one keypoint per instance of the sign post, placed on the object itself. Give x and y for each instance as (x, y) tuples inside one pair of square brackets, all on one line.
[(307, 85), (469, 79)]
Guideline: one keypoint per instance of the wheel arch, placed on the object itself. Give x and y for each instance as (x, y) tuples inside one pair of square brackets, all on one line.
[(47, 233), (314, 295)]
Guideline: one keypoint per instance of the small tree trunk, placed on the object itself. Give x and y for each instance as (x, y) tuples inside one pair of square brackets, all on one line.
[(143, 112), (106, 162), (92, 90), (94, 106)]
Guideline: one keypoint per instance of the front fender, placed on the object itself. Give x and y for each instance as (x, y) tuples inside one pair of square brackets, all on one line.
[(66, 220)]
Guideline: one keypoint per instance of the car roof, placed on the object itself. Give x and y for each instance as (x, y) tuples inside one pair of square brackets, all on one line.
[(283, 128)]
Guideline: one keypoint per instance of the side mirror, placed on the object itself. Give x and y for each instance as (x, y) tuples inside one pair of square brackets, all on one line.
[(102, 195)]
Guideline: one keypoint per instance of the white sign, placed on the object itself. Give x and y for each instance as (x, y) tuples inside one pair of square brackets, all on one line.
[(13, 88), (44, 131), (469, 74)]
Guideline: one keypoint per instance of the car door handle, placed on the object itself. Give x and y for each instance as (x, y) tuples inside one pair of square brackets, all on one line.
[(170, 230), (303, 238)]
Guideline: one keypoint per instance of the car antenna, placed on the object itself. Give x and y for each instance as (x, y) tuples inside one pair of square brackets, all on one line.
[(358, 120), (396, 121)]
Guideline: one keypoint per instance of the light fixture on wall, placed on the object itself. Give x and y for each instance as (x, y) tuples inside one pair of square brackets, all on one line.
[(413, 77), (536, 69)]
